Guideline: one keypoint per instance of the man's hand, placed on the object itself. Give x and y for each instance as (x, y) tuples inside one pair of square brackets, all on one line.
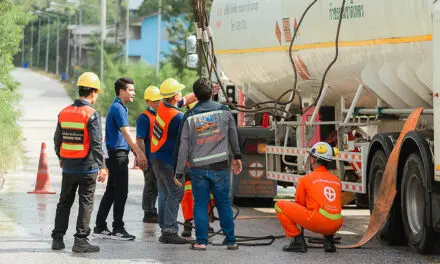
[(61, 164), (102, 175), (142, 160), (236, 166), (177, 182)]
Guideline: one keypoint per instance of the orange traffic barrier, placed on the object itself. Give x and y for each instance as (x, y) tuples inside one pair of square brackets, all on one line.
[(42, 186)]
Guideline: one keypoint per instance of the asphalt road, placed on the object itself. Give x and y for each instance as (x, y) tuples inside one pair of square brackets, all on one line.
[(26, 220)]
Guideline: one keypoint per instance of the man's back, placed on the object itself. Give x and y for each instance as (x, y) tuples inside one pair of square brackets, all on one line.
[(320, 189), (207, 134)]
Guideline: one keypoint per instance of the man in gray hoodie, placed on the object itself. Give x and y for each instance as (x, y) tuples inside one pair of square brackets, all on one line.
[(208, 138)]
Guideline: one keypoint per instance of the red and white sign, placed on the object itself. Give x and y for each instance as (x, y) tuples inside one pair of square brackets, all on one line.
[(256, 169)]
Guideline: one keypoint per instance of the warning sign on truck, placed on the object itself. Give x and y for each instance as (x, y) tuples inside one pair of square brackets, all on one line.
[(256, 169)]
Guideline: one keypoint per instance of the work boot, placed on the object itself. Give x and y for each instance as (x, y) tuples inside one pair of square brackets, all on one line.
[(329, 244), (150, 218), (187, 228), (296, 245), (171, 238), (82, 245), (58, 244), (210, 229)]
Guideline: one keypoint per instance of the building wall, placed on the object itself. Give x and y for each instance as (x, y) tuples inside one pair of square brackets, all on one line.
[(145, 47)]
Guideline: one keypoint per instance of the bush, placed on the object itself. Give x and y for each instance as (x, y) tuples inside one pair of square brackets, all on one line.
[(10, 134)]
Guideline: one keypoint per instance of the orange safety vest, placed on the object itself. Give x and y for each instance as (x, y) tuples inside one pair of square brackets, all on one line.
[(152, 119), (75, 142), (160, 130)]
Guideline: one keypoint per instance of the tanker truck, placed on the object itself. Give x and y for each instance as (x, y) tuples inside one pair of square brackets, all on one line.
[(388, 65)]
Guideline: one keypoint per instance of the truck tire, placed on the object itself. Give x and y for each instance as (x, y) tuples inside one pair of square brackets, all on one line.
[(415, 211), (392, 232), (361, 200)]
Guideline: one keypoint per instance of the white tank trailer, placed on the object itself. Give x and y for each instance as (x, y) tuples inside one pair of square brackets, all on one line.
[(388, 65)]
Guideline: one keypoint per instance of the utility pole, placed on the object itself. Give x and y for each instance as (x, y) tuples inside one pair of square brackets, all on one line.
[(47, 45), (22, 50), (58, 46), (159, 27), (39, 41), (80, 35), (127, 28), (32, 44), (68, 47), (103, 33)]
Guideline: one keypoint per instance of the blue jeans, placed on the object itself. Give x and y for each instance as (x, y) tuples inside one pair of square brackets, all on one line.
[(170, 196), (203, 181)]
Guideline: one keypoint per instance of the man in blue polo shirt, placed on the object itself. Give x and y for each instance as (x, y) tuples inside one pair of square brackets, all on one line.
[(118, 142)]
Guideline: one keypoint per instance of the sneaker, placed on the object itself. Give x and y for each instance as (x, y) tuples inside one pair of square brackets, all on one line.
[(101, 233), (122, 235), (172, 238), (58, 244)]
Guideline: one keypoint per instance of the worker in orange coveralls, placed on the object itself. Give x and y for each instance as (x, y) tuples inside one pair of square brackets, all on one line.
[(317, 205)]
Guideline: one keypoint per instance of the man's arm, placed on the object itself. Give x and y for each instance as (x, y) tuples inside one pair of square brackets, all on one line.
[(57, 139), (233, 136), (183, 150), (142, 131), (140, 155), (300, 196), (95, 133), (188, 99)]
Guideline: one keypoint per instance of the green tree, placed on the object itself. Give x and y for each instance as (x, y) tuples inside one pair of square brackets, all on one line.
[(180, 17), (13, 18)]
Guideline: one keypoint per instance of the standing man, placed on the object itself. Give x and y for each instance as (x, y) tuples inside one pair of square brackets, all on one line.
[(144, 130), (78, 145), (317, 205), (208, 136), (118, 142), (163, 142)]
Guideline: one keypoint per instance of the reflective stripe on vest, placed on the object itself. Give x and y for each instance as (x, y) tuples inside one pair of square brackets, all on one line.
[(160, 130), (329, 215), (75, 142), (152, 119)]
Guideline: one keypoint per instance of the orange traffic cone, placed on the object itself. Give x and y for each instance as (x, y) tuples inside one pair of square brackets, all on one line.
[(42, 186)]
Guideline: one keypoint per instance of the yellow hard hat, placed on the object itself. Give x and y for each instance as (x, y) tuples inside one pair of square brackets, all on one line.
[(89, 79), (170, 87), (152, 93)]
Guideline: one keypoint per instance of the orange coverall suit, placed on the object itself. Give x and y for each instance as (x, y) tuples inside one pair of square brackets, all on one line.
[(317, 207), (188, 202)]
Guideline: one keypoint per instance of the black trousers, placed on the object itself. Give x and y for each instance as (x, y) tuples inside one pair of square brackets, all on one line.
[(85, 184), (116, 191)]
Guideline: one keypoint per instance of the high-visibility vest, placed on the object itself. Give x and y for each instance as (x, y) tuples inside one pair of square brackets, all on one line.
[(152, 118), (160, 130), (75, 142)]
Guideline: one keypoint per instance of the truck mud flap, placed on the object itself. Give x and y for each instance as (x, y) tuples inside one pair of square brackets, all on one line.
[(387, 189)]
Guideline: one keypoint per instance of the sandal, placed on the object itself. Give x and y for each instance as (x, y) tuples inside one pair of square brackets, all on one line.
[(233, 247), (198, 247)]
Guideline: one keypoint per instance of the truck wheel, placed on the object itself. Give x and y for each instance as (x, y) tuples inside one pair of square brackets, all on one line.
[(392, 231), (361, 200), (414, 207)]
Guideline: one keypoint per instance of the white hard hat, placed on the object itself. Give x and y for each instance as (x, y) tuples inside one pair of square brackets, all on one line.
[(324, 151)]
